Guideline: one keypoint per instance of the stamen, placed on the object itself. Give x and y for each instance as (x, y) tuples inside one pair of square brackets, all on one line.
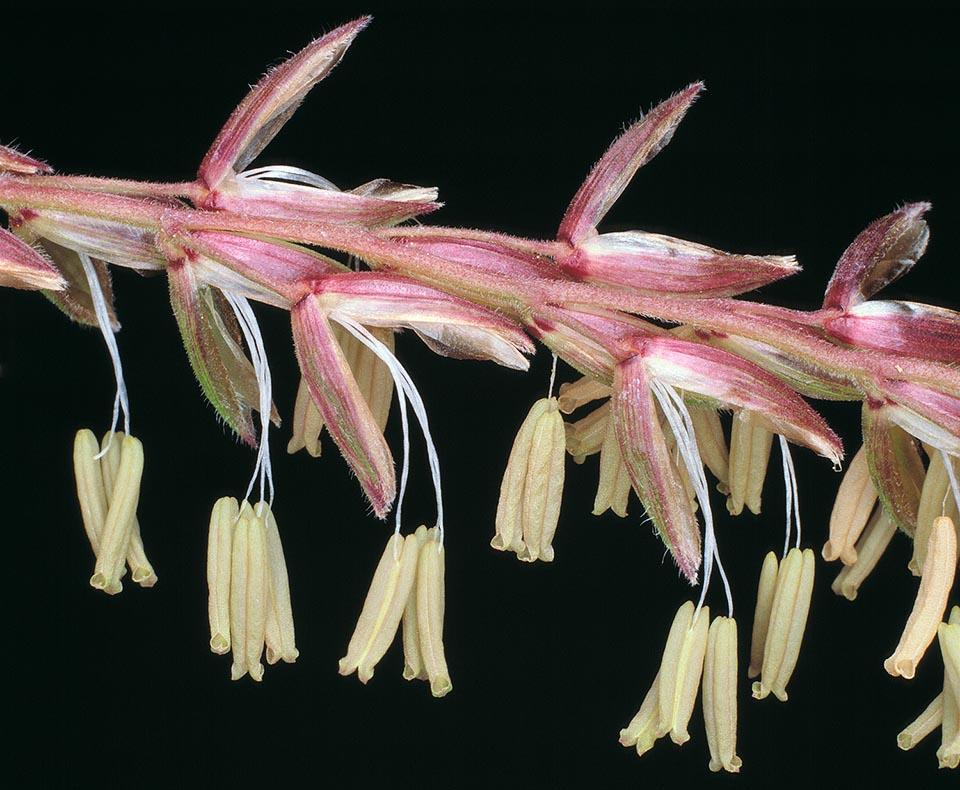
[(258, 356), (677, 414), (404, 383), (103, 320)]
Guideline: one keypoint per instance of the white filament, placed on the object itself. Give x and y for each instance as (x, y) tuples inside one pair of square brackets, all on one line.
[(793, 494), (103, 321), (263, 470), (948, 462), (677, 414), (296, 175), (404, 386), (553, 376)]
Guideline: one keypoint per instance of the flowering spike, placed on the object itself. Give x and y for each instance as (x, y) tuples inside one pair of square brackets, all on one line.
[(338, 398), (720, 695), (882, 253), (652, 469), (628, 153), (21, 266), (895, 466), (935, 583), (855, 501), (601, 303), (653, 264), (272, 102)]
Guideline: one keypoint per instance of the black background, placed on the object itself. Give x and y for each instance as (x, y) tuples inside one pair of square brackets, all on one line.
[(812, 126)]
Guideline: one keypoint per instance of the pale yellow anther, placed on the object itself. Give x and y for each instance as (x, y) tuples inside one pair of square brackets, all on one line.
[(873, 542), (766, 590), (279, 634), (140, 568), (923, 725), (509, 535), (720, 695), (430, 611), (949, 633), (413, 666), (532, 486), (642, 729), (307, 423), (373, 376), (383, 607), (939, 569), (121, 512), (936, 499), (856, 499), (750, 445), (223, 518), (712, 444), (249, 593), (680, 671), (585, 436), (614, 486), (575, 394), (788, 620), (373, 380), (89, 477)]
